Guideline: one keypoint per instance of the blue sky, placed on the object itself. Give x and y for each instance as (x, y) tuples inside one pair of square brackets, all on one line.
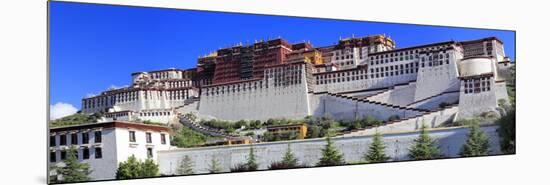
[(94, 47)]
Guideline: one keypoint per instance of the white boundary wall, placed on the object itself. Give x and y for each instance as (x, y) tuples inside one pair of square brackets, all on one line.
[(308, 151)]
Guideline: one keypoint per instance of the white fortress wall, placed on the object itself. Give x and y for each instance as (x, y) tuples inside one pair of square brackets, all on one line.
[(473, 103), (431, 120), (438, 75), (433, 102), (358, 79), (363, 93), (308, 151), (137, 100), (346, 108), (381, 97), (501, 92), (278, 96), (158, 115), (402, 94)]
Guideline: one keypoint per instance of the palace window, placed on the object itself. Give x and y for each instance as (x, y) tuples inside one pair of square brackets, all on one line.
[(85, 138), (53, 156), (85, 153), (63, 154), (148, 137), (132, 136), (62, 140), (163, 139), (150, 152), (52, 141), (98, 153), (74, 139), (97, 136)]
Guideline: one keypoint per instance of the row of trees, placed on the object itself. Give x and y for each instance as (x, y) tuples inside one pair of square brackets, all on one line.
[(425, 147)]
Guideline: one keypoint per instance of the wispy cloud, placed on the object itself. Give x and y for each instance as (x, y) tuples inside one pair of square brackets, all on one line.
[(60, 109)]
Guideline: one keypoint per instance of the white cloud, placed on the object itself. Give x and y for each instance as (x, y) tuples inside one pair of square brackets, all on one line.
[(61, 109)]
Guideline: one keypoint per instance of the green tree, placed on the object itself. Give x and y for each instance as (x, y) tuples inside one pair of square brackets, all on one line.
[(129, 169), (289, 159), (149, 168), (251, 160), (425, 147), (376, 151), (215, 166), (187, 137), (185, 166), (477, 143), (507, 132), (250, 164), (257, 124), (71, 170), (330, 156), (133, 168)]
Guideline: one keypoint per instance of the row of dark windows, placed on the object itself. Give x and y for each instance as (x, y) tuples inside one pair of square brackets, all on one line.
[(403, 53), (477, 85), (155, 113), (148, 137), (395, 73), (74, 138), (84, 152), (389, 60), (232, 88)]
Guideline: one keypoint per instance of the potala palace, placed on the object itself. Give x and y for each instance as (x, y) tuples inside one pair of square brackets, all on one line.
[(354, 78), (405, 88)]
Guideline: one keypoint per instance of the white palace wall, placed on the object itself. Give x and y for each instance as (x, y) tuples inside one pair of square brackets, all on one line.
[(430, 120), (346, 108), (434, 102), (438, 75), (262, 104), (308, 151), (474, 104), (283, 93)]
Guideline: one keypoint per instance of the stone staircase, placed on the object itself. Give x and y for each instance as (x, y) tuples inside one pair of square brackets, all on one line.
[(366, 99)]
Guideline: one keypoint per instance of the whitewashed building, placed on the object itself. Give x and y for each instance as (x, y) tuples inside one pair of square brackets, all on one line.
[(104, 145)]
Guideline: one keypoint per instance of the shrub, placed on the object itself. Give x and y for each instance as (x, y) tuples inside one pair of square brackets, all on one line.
[(393, 117), (444, 104), (72, 170), (185, 166), (330, 156), (240, 168), (187, 137), (288, 161), (424, 147), (133, 168), (507, 132), (476, 144), (250, 164), (376, 151)]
